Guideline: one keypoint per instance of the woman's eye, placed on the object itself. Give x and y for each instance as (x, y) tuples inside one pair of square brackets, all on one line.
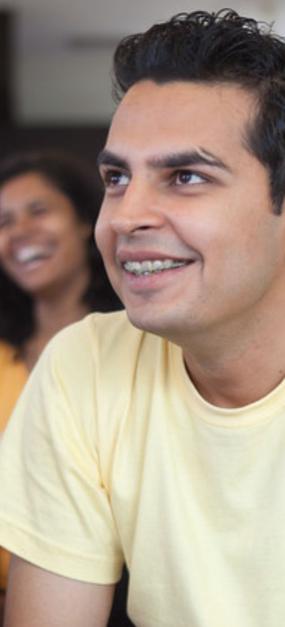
[(38, 210), (114, 178), (5, 221), (186, 177)]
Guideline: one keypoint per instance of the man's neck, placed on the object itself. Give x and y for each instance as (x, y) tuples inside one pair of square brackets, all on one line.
[(230, 388), (233, 373)]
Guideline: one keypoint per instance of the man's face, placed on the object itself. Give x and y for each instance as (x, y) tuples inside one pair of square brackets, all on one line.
[(187, 229)]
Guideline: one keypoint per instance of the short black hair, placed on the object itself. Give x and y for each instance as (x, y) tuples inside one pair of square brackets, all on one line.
[(217, 47), (75, 178)]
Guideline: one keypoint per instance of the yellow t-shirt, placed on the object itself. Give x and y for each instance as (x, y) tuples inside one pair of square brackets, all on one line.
[(120, 457), (13, 375)]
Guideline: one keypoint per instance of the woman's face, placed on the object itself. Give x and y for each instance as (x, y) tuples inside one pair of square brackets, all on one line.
[(43, 245)]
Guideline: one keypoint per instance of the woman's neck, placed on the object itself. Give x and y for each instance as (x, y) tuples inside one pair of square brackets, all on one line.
[(54, 310)]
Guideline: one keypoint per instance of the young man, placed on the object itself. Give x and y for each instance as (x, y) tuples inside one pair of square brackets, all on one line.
[(157, 436)]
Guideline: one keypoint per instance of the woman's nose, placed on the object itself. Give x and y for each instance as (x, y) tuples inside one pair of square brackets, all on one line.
[(21, 225)]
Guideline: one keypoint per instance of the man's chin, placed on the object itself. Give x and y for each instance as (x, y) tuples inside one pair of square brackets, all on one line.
[(137, 320), (147, 323)]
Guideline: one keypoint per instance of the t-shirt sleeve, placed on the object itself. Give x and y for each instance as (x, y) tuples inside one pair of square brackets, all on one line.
[(54, 507)]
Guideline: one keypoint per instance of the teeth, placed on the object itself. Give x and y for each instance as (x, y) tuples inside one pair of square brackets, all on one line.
[(30, 253), (152, 266)]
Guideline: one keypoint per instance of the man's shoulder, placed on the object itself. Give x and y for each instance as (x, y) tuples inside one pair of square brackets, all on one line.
[(100, 340), (95, 331), (105, 353)]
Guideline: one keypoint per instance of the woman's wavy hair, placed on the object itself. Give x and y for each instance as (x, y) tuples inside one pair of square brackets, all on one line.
[(213, 48), (76, 180)]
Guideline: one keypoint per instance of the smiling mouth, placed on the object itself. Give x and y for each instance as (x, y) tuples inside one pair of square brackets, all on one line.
[(153, 266), (31, 254)]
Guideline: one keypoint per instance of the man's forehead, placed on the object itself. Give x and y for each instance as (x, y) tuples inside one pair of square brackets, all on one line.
[(198, 102), (184, 91), (179, 116)]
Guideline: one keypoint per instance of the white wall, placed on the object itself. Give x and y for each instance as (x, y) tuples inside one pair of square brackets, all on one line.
[(63, 87), (54, 84)]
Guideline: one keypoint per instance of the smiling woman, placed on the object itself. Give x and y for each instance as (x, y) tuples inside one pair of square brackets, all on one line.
[(51, 273), (50, 270)]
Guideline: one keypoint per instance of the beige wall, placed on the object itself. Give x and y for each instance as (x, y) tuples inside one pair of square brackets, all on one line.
[(55, 84)]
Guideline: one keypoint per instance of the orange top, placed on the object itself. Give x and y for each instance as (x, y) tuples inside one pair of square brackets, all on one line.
[(13, 376)]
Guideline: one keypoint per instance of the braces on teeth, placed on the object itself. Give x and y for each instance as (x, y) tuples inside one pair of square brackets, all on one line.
[(151, 267)]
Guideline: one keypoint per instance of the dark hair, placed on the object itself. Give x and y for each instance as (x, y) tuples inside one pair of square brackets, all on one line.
[(214, 48), (76, 180)]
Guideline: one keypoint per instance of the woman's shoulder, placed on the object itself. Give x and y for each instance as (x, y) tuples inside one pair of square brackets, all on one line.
[(13, 375), (7, 352), (10, 361)]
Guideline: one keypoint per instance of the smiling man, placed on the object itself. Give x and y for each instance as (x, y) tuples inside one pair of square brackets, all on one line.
[(156, 436)]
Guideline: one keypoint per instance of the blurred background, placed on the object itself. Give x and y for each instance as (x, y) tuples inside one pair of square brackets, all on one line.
[(55, 61)]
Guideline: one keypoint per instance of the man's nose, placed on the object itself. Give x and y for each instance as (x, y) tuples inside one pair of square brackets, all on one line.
[(139, 208)]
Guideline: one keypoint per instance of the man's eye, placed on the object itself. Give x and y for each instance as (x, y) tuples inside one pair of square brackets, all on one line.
[(114, 178), (186, 177)]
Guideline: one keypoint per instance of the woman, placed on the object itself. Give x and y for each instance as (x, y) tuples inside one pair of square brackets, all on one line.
[(50, 271)]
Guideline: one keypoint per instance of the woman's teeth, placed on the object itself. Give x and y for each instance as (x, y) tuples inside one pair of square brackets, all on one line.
[(31, 253), (152, 266)]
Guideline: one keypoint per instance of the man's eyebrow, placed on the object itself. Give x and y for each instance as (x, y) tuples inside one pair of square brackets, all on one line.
[(106, 157), (172, 160), (188, 158)]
